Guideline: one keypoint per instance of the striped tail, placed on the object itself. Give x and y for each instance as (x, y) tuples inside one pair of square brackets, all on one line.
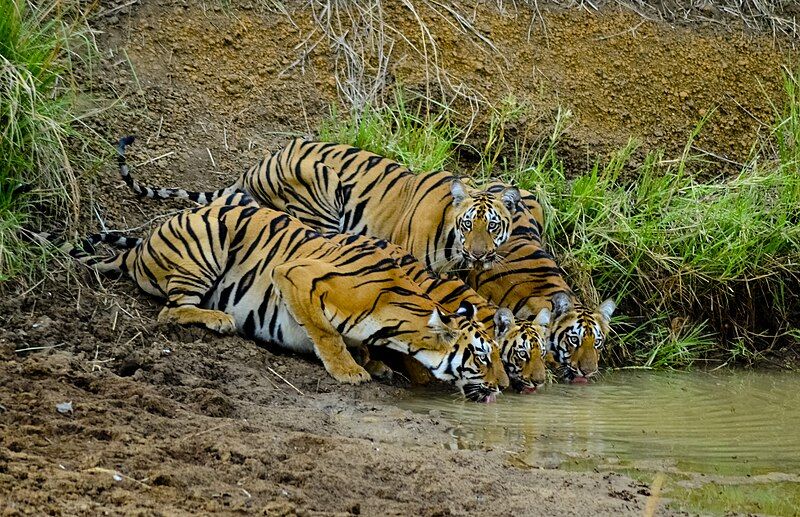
[(202, 198), (114, 264), (113, 239)]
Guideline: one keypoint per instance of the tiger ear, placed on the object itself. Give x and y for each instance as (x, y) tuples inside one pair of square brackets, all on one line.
[(561, 303), (543, 318), (459, 191), (503, 320), (440, 328), (606, 309), (511, 197), (466, 309)]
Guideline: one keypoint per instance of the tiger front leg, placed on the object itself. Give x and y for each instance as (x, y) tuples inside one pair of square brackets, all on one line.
[(184, 295), (376, 369), (189, 315), (302, 296)]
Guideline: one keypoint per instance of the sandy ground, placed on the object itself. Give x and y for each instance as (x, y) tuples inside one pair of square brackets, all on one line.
[(168, 420)]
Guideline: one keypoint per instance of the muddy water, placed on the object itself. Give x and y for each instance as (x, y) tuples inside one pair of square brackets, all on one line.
[(730, 423)]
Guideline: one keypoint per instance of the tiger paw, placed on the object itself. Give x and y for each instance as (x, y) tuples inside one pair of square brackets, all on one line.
[(350, 375), (379, 370), (222, 323)]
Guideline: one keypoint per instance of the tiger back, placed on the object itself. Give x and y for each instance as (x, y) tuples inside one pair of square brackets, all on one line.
[(340, 188)]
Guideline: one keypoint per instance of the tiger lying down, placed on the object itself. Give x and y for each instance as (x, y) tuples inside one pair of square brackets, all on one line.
[(233, 266), (523, 343)]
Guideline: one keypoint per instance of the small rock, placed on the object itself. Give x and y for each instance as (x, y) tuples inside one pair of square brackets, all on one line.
[(65, 408)]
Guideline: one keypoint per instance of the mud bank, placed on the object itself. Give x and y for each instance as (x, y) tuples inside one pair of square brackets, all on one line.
[(167, 420)]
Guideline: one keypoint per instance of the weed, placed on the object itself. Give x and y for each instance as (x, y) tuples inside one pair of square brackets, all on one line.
[(716, 252)]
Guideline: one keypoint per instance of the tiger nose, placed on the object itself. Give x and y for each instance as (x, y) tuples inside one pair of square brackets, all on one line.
[(482, 255)]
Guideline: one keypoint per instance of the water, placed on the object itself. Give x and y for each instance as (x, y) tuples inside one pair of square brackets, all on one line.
[(728, 423)]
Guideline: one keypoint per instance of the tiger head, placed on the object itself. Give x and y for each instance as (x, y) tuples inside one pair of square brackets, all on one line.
[(473, 362), (577, 336), (482, 222), (523, 346)]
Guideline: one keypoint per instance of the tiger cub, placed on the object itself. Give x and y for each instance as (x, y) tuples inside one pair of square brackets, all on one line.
[(343, 189), (528, 279), (237, 267)]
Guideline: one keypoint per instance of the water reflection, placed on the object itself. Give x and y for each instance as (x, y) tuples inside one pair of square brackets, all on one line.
[(726, 422)]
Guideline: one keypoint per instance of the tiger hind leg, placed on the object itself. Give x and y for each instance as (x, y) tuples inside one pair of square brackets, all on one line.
[(296, 282), (185, 292)]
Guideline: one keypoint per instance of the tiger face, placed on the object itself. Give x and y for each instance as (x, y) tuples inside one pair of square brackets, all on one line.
[(577, 336), (523, 347), (482, 222), (474, 364)]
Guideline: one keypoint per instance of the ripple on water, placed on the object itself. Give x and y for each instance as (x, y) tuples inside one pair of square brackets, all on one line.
[(739, 422)]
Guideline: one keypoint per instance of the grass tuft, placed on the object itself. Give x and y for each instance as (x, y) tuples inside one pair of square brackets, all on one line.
[(719, 256), (40, 45), (420, 140)]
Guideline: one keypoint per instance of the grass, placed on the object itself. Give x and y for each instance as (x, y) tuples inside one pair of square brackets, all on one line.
[(762, 498), (715, 259), (423, 141), (40, 45), (703, 270)]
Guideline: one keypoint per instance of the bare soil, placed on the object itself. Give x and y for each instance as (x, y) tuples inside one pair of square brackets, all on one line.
[(169, 420)]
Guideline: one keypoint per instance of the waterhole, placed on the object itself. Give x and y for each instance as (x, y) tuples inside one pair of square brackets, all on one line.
[(725, 423)]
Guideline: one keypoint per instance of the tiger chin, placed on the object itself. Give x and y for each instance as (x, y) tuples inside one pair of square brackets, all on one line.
[(233, 267)]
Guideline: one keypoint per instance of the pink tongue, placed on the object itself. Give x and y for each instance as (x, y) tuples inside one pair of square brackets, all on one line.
[(490, 398), (579, 380), (528, 390)]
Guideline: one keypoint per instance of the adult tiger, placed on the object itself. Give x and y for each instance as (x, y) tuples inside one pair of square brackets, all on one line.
[(528, 279), (522, 342), (238, 267), (344, 189)]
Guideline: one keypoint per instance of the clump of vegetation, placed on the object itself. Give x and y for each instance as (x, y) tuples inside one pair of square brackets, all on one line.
[(40, 44), (703, 270), (419, 139)]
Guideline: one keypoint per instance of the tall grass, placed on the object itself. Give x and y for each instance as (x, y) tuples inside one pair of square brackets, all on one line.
[(40, 44), (703, 270)]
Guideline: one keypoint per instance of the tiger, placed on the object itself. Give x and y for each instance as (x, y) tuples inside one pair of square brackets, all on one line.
[(236, 267), (522, 342), (528, 279), (343, 189)]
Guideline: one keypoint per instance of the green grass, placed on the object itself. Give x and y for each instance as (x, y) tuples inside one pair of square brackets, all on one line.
[(717, 259), (421, 140), (762, 498), (40, 44), (703, 270)]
